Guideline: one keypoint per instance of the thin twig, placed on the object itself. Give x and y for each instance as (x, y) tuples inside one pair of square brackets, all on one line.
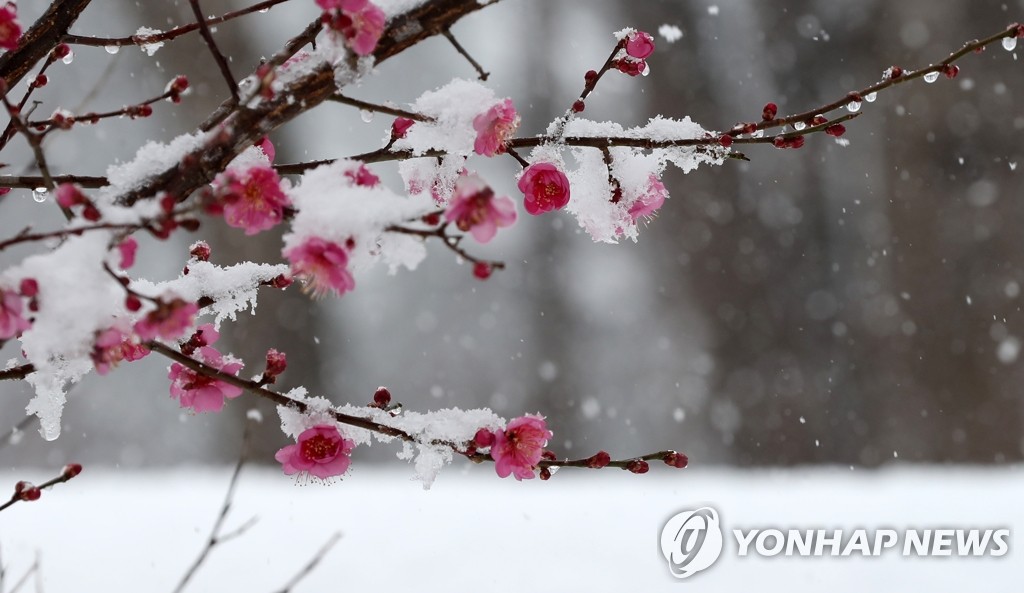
[(166, 35), (449, 241), (34, 181), (906, 76), (367, 106), (306, 570), (18, 372), (215, 536), (480, 72), (218, 57), (24, 578), (63, 477), (19, 427)]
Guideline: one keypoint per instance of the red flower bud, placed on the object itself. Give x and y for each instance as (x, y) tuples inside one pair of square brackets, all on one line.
[(769, 112), (28, 287), (676, 460), (27, 491), (277, 362), (638, 466), (179, 84), (725, 140), (200, 250), (836, 130), (599, 460), (482, 270), (281, 281), (132, 303), (483, 438), (381, 397), (71, 470), (578, 106)]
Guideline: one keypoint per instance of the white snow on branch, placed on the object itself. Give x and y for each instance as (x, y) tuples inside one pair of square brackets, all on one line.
[(76, 298), (331, 206), (232, 288)]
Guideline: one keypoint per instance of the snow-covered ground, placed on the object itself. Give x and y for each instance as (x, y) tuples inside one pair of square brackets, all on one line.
[(596, 531)]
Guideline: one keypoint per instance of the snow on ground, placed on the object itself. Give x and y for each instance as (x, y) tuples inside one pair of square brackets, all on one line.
[(596, 531)]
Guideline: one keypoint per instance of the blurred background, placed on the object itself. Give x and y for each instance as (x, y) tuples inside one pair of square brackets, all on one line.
[(854, 305)]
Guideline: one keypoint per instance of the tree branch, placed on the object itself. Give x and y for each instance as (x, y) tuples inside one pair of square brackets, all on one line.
[(42, 37)]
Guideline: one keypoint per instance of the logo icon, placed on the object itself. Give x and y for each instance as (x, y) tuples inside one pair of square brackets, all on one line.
[(691, 541)]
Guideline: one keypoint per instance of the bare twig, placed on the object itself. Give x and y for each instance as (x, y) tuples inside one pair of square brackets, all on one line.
[(34, 569), (906, 76), (34, 181), (215, 536), (18, 372), (367, 106), (449, 241), (308, 568), (42, 37), (218, 57), (19, 427), (167, 35), (480, 72)]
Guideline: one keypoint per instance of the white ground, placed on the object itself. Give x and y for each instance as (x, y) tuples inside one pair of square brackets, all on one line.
[(595, 531)]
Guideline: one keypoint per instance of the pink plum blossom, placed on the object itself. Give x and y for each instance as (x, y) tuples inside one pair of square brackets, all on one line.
[(639, 45), (127, 249), (202, 393), (494, 127), (10, 29), (321, 451), (361, 22), (474, 208), (252, 199), (11, 321), (112, 346), (546, 188), (169, 320), (518, 449), (323, 265), (650, 201)]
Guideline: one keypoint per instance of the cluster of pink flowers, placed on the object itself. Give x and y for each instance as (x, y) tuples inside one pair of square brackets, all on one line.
[(112, 346), (323, 265), (252, 198), (321, 451), (648, 203), (475, 209), (494, 128), (361, 22), (168, 320), (10, 29), (518, 449), (639, 46), (199, 392), (546, 188), (11, 321)]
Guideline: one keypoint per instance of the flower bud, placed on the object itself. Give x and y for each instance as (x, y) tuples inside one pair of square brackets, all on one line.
[(381, 397), (638, 466), (71, 470)]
